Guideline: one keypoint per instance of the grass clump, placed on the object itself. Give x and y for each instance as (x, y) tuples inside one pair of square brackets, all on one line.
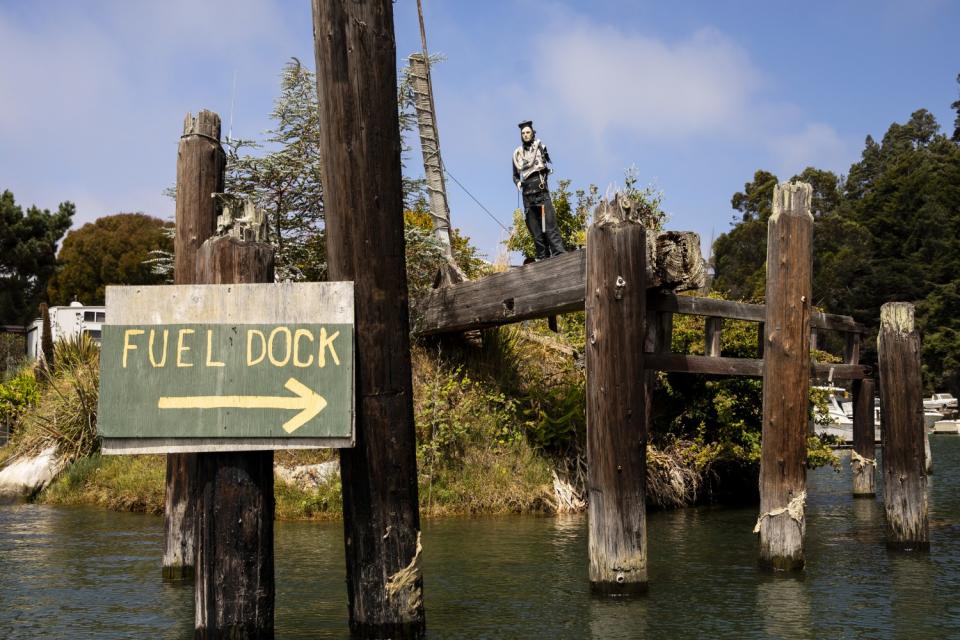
[(120, 483), (65, 416)]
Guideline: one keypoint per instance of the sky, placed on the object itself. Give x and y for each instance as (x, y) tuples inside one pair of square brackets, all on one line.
[(696, 96)]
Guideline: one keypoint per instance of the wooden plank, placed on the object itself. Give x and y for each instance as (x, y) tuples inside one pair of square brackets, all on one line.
[(549, 287), (732, 310), (786, 374), (901, 394), (748, 367), (713, 331), (841, 371), (851, 349), (616, 406), (679, 363), (535, 290), (363, 200), (863, 463)]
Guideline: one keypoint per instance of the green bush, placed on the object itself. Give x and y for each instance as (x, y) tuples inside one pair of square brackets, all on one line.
[(17, 396), (66, 414)]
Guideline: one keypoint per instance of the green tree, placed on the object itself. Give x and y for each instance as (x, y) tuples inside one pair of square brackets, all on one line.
[(956, 121), (28, 246), (286, 182), (740, 254), (889, 232), (111, 250)]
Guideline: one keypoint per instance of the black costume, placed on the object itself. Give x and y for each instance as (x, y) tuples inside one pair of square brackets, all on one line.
[(530, 173)]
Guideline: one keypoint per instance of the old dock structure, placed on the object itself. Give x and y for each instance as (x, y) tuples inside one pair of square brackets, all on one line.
[(617, 417)]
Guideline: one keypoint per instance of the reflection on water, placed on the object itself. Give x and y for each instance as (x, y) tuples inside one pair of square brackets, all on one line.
[(784, 603), (84, 573)]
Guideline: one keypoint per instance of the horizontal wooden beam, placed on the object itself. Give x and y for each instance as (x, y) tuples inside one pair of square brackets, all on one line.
[(748, 367), (535, 290), (692, 305), (550, 287), (555, 286)]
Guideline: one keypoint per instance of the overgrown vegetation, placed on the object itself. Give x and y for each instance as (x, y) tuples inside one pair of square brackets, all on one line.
[(887, 231), (64, 413)]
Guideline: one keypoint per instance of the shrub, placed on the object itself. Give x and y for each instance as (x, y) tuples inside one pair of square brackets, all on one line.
[(66, 414), (17, 396)]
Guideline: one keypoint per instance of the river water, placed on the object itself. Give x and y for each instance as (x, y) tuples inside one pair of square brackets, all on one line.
[(87, 573)]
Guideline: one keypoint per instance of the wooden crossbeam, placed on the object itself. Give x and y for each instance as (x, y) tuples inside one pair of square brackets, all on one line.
[(692, 305), (747, 367)]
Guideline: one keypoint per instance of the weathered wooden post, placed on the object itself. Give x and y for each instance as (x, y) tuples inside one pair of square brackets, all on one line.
[(786, 378), (357, 87), (234, 590), (616, 402), (905, 478), (863, 462), (200, 167), (713, 331)]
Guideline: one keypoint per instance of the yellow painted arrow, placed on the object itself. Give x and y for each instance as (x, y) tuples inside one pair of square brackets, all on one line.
[(306, 399)]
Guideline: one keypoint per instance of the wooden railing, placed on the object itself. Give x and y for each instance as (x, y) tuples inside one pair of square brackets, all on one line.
[(662, 306)]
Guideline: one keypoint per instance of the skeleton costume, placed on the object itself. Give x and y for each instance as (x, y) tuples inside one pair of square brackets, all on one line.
[(530, 173)]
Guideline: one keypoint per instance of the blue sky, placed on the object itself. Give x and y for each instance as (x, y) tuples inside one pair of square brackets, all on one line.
[(695, 95)]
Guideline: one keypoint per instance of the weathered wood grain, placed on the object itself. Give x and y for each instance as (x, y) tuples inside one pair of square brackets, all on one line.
[(234, 591), (729, 309), (200, 173), (360, 143), (902, 430), (863, 462), (713, 331), (179, 507), (747, 367), (616, 406), (786, 373), (549, 287)]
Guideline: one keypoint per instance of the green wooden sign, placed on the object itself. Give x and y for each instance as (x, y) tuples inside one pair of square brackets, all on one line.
[(227, 367)]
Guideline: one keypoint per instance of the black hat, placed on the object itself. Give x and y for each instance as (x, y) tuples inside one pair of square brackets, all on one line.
[(526, 123)]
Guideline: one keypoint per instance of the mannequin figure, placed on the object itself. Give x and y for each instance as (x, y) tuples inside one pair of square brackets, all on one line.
[(530, 173)]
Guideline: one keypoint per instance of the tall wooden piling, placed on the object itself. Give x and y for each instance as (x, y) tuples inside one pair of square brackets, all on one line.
[(901, 392), (235, 508), (200, 173), (863, 461), (616, 402), (786, 378), (356, 87)]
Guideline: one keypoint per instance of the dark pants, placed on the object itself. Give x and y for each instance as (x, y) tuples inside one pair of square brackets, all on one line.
[(542, 224)]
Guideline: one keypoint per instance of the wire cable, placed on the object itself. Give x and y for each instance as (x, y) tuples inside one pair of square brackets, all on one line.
[(480, 204)]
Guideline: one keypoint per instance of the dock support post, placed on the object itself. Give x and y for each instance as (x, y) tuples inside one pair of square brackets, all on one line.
[(863, 461), (234, 590), (904, 464), (786, 378), (360, 143), (616, 402), (200, 172)]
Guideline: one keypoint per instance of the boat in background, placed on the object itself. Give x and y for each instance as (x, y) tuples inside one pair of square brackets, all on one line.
[(946, 426)]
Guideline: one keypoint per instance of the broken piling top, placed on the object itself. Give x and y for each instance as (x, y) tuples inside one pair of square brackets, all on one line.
[(792, 198), (897, 317), (206, 123), (674, 260), (615, 210)]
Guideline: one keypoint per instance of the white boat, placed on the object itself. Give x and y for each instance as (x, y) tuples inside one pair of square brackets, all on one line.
[(946, 426), (929, 417)]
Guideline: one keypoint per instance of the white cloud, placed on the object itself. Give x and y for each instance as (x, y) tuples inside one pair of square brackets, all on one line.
[(605, 78), (815, 145)]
